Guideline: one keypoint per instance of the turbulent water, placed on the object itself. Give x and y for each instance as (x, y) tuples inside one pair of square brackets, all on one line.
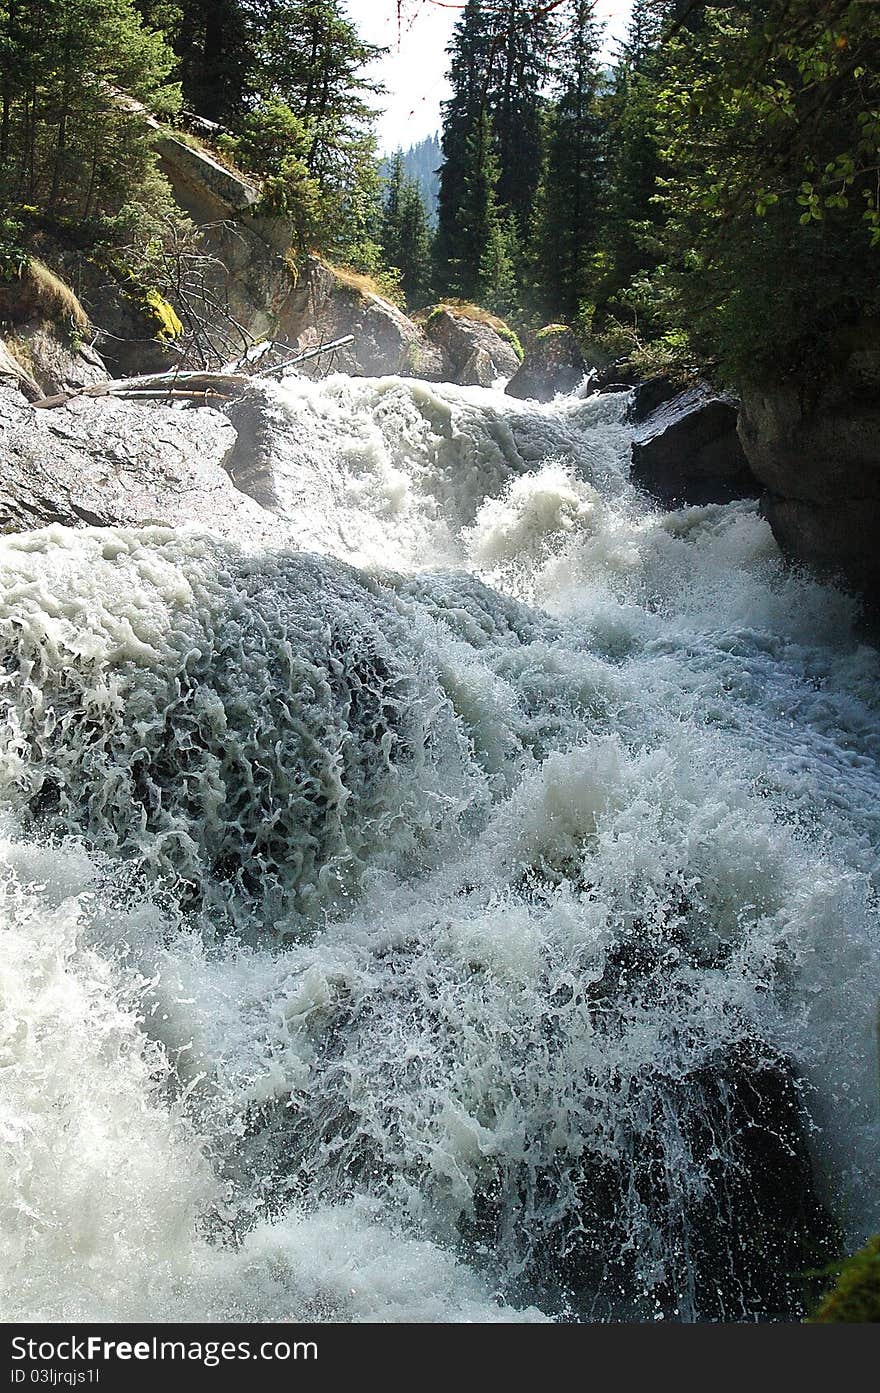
[(468, 914)]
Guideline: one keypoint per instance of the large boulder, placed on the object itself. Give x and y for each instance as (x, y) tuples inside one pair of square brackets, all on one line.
[(650, 394), (458, 332), (103, 462), (329, 303), (688, 452), (58, 364), (818, 457), (553, 363)]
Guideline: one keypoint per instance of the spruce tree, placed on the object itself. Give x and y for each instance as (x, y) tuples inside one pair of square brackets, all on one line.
[(470, 52), (500, 56), (568, 217)]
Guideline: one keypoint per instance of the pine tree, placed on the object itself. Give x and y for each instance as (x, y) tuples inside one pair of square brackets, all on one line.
[(568, 219), (414, 260), (500, 63), (69, 145)]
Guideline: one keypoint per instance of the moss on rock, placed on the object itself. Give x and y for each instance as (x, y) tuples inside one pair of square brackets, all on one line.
[(856, 1295)]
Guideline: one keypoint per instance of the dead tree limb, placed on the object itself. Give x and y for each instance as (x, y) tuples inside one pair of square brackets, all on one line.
[(178, 385)]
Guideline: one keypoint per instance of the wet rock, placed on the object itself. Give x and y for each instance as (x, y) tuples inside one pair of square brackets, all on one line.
[(650, 395), (732, 1247), (553, 363), (102, 462), (688, 452), (818, 456), (618, 376), (458, 335)]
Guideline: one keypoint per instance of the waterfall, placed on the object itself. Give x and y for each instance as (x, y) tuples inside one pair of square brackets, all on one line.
[(468, 912)]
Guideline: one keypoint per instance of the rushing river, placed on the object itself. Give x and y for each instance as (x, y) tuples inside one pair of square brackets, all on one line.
[(468, 914)]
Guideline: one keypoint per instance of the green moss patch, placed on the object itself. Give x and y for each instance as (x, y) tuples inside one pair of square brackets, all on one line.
[(856, 1297)]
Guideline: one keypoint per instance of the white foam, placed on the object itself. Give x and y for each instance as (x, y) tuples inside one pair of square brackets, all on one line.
[(548, 732)]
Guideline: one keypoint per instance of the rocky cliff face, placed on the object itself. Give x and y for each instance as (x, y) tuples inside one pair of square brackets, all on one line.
[(329, 304), (817, 455)]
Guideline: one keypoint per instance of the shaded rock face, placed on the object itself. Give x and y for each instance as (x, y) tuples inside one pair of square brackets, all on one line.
[(458, 338), (819, 461), (478, 371), (688, 452), (112, 463), (251, 276), (553, 364), (325, 307)]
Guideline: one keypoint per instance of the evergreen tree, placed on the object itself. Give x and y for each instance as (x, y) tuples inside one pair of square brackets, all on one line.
[(390, 232), (523, 44), (310, 54), (487, 234), (468, 75), (68, 144), (405, 236), (477, 213), (211, 39), (415, 264), (631, 240), (569, 206), (422, 163), (499, 68)]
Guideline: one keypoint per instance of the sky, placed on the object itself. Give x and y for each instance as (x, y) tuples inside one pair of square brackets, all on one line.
[(414, 71)]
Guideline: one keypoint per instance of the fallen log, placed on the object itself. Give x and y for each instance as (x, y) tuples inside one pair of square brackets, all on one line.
[(187, 386), (304, 357)]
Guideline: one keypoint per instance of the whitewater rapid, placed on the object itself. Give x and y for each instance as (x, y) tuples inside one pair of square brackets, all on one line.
[(420, 922)]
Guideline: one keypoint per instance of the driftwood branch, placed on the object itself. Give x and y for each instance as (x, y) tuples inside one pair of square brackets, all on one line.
[(176, 385)]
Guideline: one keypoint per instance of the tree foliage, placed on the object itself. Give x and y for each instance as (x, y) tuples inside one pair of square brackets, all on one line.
[(768, 114), (71, 142), (405, 236)]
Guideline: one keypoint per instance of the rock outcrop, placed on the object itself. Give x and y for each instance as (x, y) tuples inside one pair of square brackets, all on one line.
[(13, 373), (45, 330), (329, 303), (56, 364), (688, 452), (458, 335), (818, 457), (553, 363), (650, 394), (113, 463)]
